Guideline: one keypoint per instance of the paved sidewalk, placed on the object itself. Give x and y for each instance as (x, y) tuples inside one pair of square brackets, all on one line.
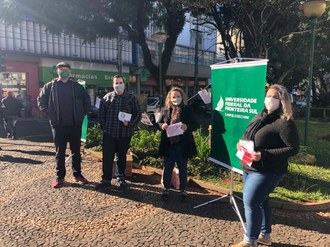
[(34, 214)]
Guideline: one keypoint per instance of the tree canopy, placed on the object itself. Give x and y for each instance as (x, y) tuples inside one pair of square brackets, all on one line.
[(100, 18), (273, 29)]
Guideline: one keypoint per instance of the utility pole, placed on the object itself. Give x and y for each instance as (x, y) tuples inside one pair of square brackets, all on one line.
[(119, 54), (2, 62), (196, 58)]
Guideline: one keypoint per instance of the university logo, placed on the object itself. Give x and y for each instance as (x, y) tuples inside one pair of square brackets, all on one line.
[(220, 104)]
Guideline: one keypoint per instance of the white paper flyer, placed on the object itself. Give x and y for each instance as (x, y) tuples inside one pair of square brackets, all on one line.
[(123, 116), (174, 130)]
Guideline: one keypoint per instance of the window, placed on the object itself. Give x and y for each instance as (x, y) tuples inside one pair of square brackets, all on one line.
[(14, 81)]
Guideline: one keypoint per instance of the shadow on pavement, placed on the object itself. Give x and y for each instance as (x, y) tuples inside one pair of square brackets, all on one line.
[(8, 158), (148, 193), (40, 152)]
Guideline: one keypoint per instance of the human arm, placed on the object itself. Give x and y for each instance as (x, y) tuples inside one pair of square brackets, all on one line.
[(102, 113), (86, 102), (289, 137), (43, 98), (136, 112)]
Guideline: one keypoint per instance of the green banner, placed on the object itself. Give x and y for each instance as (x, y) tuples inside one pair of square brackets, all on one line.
[(85, 122), (238, 91)]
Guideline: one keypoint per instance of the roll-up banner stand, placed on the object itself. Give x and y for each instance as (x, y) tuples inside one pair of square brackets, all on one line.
[(85, 121), (238, 90)]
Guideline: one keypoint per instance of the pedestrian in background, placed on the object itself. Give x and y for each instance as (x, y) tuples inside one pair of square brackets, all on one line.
[(177, 148), (11, 111), (65, 102), (118, 129), (275, 138)]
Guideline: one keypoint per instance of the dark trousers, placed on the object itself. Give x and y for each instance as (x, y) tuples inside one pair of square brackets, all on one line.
[(110, 147), (10, 125), (175, 155), (62, 135)]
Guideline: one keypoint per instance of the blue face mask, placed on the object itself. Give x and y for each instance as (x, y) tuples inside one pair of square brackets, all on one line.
[(119, 88)]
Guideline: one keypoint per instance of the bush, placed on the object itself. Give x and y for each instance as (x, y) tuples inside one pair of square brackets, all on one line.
[(200, 165), (144, 146), (94, 138)]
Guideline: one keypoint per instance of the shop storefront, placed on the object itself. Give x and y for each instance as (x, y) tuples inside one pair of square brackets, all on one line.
[(98, 83)]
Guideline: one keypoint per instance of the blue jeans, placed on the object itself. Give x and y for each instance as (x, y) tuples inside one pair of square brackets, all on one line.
[(175, 155), (258, 212)]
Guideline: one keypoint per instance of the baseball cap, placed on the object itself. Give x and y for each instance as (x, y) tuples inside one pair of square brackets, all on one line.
[(63, 64)]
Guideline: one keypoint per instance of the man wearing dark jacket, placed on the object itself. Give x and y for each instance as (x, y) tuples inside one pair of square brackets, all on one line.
[(117, 132), (65, 102), (11, 111)]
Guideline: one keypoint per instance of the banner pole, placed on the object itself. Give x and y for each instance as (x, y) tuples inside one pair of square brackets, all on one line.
[(232, 200)]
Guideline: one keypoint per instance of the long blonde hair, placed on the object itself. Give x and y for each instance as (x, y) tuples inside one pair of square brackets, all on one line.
[(168, 97), (285, 99)]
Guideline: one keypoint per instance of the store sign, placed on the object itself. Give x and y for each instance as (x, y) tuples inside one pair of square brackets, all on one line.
[(92, 77)]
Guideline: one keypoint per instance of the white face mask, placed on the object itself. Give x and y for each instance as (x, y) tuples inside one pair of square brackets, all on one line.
[(176, 101), (272, 104), (119, 88)]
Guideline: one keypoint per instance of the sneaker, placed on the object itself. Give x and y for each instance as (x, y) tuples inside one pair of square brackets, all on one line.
[(9, 135), (183, 195), (165, 195), (242, 244), (122, 183), (263, 240), (81, 179), (58, 183), (102, 185)]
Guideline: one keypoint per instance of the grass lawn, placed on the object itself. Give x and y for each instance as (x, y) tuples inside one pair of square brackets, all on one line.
[(304, 182)]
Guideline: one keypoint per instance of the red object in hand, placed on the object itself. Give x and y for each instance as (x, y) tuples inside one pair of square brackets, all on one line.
[(247, 157)]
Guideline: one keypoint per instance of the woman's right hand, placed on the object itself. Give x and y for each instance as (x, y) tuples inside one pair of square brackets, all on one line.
[(164, 126), (238, 146)]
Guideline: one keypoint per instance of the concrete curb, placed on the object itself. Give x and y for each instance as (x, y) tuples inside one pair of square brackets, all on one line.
[(300, 206), (287, 205)]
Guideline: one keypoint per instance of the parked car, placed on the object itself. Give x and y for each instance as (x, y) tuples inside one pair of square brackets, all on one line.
[(301, 103), (153, 104)]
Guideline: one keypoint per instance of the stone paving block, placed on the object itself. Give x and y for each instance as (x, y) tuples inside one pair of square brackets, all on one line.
[(34, 214)]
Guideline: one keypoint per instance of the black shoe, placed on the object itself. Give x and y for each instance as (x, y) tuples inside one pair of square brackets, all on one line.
[(102, 185), (165, 195), (183, 195), (122, 183), (9, 135)]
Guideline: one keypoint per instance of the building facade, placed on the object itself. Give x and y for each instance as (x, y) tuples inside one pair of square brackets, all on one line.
[(29, 54)]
